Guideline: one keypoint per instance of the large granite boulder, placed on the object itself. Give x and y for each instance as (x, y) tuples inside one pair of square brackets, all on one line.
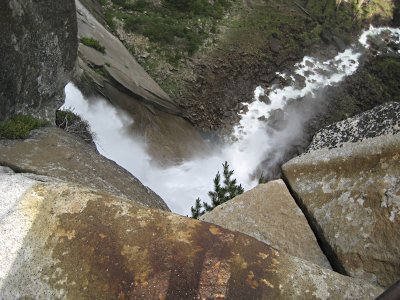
[(269, 213), (61, 241), (122, 68), (38, 48), (53, 152), (118, 77), (349, 185)]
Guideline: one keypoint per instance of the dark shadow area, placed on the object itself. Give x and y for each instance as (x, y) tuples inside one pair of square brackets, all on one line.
[(396, 14)]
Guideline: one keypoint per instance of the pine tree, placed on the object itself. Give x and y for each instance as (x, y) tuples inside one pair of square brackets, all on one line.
[(221, 194), (196, 210)]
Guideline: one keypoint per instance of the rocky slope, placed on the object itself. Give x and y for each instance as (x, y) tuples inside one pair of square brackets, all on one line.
[(38, 54), (241, 49), (63, 241), (348, 186)]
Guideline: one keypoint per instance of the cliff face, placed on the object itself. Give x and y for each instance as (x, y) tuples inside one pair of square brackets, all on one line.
[(38, 54)]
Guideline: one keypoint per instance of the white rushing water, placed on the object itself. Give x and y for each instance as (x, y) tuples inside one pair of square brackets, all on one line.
[(253, 139)]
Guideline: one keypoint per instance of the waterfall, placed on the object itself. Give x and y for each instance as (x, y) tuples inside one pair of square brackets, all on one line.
[(264, 131)]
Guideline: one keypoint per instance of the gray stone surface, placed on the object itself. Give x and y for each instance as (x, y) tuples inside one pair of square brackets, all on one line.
[(62, 241), (269, 213), (38, 48), (352, 196), (52, 152), (383, 119)]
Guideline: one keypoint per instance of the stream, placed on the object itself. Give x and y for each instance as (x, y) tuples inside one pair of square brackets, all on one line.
[(264, 131)]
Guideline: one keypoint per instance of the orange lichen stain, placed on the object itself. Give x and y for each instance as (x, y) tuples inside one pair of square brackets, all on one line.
[(139, 262), (218, 296), (263, 255), (267, 283), (214, 230), (70, 234), (39, 190), (183, 236), (251, 280), (239, 262)]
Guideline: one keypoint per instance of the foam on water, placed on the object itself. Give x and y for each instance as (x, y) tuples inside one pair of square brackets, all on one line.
[(252, 140)]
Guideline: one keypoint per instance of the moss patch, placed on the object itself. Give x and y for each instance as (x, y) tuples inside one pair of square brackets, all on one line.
[(19, 126), (93, 43)]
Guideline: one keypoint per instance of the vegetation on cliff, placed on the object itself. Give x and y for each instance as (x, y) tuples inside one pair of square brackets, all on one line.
[(93, 43), (191, 47), (20, 126), (72, 123)]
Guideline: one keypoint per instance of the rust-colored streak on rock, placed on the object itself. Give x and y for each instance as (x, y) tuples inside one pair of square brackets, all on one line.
[(97, 249), (146, 255)]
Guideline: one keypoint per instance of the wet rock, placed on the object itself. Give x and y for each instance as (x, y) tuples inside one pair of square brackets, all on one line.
[(262, 118), (63, 241), (276, 119), (264, 213), (265, 99), (53, 152), (349, 184), (38, 54)]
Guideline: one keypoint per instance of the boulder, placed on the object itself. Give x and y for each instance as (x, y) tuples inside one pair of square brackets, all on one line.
[(38, 49), (53, 152), (349, 185), (381, 120), (58, 240), (269, 213)]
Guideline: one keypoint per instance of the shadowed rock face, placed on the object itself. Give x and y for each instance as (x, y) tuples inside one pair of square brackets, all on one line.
[(350, 188), (269, 213), (53, 152), (38, 49), (72, 243)]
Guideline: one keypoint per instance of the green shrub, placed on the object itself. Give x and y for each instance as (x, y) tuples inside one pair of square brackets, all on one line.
[(93, 43), (19, 126), (221, 193)]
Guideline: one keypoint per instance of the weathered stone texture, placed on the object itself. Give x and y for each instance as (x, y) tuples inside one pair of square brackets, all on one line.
[(269, 213), (38, 50), (72, 243), (352, 194), (53, 152), (382, 120)]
